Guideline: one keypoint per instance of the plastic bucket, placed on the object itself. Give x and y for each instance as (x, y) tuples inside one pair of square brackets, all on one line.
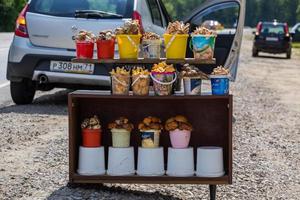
[(151, 48), (210, 162), (140, 85), (203, 46), (84, 50), (181, 162), (120, 84), (106, 49), (150, 138), (128, 46), (151, 162), (120, 161), (91, 161), (120, 138), (219, 84), (192, 86), (163, 83), (175, 46), (91, 138), (180, 139)]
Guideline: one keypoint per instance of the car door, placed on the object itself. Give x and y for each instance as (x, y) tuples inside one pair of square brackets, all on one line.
[(296, 37), (159, 22), (228, 16)]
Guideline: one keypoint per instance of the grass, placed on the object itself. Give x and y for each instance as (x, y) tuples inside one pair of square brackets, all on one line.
[(296, 45)]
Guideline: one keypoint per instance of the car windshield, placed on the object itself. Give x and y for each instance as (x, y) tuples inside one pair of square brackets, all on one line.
[(272, 29), (67, 8)]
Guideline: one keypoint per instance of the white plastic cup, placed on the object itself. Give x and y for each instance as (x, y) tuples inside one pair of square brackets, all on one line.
[(120, 161), (192, 85), (91, 161), (181, 162), (210, 162), (151, 162)]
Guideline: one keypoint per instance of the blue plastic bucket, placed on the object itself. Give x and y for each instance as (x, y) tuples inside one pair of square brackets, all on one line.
[(203, 46), (219, 85)]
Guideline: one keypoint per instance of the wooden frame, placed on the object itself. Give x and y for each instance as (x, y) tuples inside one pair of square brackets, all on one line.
[(210, 115)]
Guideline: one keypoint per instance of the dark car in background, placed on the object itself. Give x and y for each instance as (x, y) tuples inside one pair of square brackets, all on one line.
[(272, 37)]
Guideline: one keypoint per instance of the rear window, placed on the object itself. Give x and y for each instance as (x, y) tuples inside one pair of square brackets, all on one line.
[(271, 29), (67, 8)]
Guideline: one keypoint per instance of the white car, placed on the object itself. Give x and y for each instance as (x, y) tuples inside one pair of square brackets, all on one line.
[(45, 29)]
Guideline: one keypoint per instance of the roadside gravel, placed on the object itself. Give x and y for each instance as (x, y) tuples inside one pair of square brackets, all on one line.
[(34, 156)]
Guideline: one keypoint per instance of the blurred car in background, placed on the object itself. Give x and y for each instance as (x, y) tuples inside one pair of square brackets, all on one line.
[(212, 24), (272, 37), (296, 33)]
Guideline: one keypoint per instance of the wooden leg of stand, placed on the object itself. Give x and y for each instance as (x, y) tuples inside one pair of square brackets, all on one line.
[(212, 192)]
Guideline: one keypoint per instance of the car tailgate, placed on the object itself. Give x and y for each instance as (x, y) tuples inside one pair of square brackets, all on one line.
[(58, 32)]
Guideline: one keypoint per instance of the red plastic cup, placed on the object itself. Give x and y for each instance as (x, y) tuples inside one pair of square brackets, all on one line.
[(84, 50), (91, 137), (106, 49)]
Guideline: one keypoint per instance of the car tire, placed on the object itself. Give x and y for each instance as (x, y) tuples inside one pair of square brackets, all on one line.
[(289, 54), (22, 92), (254, 52)]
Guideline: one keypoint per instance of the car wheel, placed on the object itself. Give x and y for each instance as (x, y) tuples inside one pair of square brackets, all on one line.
[(22, 92), (254, 52), (289, 54)]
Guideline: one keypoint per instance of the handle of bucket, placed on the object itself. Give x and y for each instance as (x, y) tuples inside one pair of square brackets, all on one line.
[(146, 46), (170, 42), (133, 43), (162, 83), (136, 80), (122, 83)]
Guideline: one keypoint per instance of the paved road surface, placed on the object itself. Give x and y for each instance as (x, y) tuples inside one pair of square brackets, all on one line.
[(5, 39)]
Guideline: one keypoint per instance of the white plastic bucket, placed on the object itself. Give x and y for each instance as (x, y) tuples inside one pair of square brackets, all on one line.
[(120, 161), (120, 138), (91, 161), (181, 162), (210, 162), (151, 162), (192, 86), (151, 48), (150, 138)]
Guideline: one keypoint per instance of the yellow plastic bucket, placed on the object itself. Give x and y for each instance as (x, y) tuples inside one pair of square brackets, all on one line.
[(129, 46), (175, 45)]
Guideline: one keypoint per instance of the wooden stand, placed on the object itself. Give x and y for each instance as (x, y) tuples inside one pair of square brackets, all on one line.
[(211, 117), (146, 61)]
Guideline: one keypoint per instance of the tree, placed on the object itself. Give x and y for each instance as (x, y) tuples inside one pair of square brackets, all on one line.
[(9, 10)]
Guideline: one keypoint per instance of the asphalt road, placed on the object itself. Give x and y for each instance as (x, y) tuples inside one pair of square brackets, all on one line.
[(5, 40)]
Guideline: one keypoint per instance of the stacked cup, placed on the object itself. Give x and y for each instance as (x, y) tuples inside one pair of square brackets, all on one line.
[(121, 154), (210, 162), (150, 155), (180, 155), (91, 154)]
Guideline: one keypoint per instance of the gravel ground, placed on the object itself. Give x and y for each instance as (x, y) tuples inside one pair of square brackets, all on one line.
[(33, 143)]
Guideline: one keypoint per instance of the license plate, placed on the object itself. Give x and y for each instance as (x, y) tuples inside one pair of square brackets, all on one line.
[(273, 39), (69, 67)]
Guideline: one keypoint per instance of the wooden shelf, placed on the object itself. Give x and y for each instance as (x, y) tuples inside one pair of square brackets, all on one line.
[(211, 117), (146, 61), (76, 178)]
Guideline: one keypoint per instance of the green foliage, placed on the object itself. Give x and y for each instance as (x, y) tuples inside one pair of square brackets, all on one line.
[(9, 10), (257, 10)]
